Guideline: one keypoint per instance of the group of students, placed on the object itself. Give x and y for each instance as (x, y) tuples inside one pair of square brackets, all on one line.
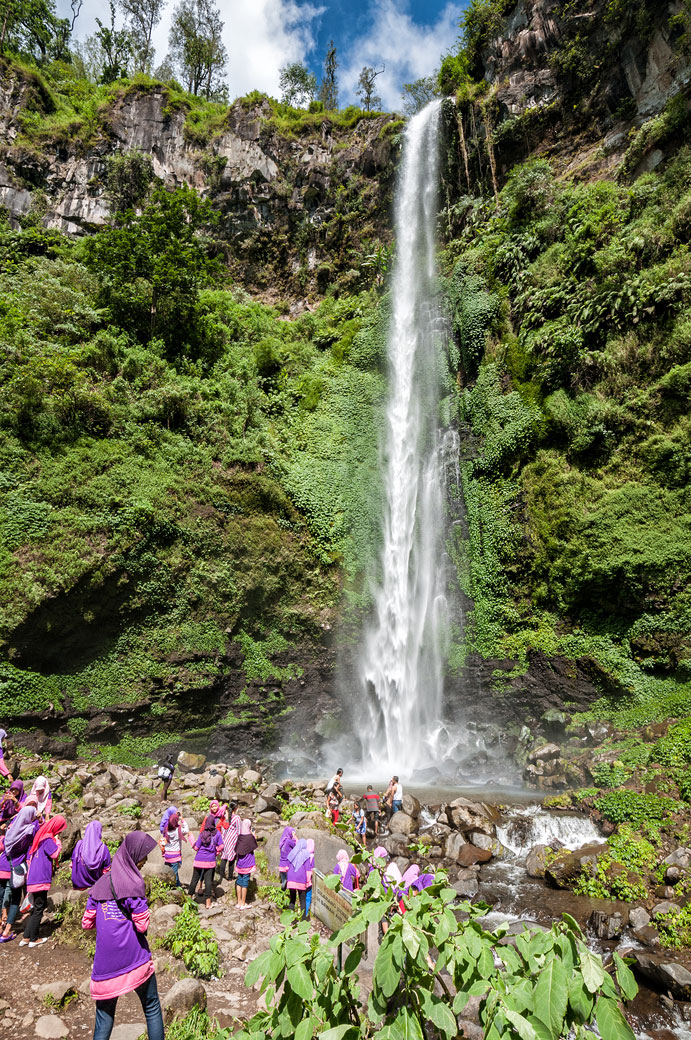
[(369, 809), (225, 840)]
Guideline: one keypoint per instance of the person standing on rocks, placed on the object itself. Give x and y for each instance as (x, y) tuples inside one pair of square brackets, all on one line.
[(360, 821), (287, 844), (44, 798), (18, 839), (175, 831), (372, 809), (11, 803), (118, 910), (335, 787), (91, 857), (230, 830), (394, 795), (300, 868), (4, 771), (166, 768), (42, 859), (347, 871), (207, 846), (246, 863)]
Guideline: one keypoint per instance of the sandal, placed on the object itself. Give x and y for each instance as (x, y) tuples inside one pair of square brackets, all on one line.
[(8, 938), (37, 942)]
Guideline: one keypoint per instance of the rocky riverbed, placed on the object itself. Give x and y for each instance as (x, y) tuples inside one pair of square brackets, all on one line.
[(518, 859)]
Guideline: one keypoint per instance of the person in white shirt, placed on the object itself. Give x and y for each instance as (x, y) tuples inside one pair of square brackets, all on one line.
[(397, 795), (334, 785)]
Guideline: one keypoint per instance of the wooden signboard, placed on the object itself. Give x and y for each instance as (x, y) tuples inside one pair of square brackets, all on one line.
[(332, 908)]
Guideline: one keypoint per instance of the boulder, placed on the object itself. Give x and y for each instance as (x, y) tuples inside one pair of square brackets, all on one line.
[(535, 861), (665, 907), (481, 840), (128, 1031), (268, 804), (544, 753), (70, 836), (469, 854), (316, 820), (185, 994), (639, 917), (411, 806), (663, 972), (213, 786), (681, 857), (50, 1027), (467, 885), (673, 875), (401, 823), (567, 866), (192, 763), (454, 844), (606, 925), (251, 776), (57, 991)]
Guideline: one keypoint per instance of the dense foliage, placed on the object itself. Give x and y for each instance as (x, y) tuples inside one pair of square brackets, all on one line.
[(431, 960)]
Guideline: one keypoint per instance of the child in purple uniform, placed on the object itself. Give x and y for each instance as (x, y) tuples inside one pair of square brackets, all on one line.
[(91, 857), (43, 859), (300, 867), (246, 863), (287, 844), (347, 871), (207, 846), (118, 910), (17, 842)]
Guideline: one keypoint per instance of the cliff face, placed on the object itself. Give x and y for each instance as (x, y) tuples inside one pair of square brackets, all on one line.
[(286, 194)]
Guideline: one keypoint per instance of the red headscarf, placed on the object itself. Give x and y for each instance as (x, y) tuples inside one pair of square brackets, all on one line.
[(49, 829)]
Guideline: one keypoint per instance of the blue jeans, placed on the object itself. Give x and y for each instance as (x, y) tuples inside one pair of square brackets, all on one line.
[(175, 867), (396, 805), (148, 995)]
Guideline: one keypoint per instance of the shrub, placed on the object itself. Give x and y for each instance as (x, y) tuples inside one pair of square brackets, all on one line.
[(196, 946), (631, 807)]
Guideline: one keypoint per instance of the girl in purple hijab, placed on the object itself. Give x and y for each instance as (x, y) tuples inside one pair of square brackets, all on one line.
[(18, 839), (285, 847), (11, 803), (118, 910), (91, 857), (300, 867)]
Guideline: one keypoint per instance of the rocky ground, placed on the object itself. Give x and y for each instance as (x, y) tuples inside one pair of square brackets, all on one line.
[(44, 992)]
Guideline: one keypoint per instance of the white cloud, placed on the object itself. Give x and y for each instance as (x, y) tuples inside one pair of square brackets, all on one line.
[(407, 49), (261, 36)]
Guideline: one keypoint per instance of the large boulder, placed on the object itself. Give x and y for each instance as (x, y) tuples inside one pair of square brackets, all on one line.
[(185, 995), (411, 805), (607, 925), (454, 844), (267, 804), (192, 763), (325, 847), (664, 972), (681, 857), (316, 820), (535, 861), (401, 823), (469, 855), (567, 866)]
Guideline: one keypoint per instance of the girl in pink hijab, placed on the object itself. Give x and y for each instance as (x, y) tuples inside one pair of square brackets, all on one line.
[(347, 871)]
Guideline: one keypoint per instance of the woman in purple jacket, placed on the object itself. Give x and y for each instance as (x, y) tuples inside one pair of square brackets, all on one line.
[(18, 839), (286, 845), (347, 871), (246, 863), (300, 867), (207, 846), (118, 910), (42, 859), (91, 857)]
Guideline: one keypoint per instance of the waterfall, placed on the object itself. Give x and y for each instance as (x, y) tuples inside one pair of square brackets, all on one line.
[(403, 651)]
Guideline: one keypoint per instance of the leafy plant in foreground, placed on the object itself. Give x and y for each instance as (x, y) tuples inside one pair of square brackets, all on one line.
[(196, 946), (547, 986)]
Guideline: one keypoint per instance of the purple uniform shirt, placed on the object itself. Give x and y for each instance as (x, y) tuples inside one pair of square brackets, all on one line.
[(120, 948), (349, 878), (19, 856), (83, 876), (40, 871), (206, 854), (283, 863), (299, 877)]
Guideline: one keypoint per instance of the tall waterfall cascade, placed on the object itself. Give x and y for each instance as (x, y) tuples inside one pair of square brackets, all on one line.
[(403, 652)]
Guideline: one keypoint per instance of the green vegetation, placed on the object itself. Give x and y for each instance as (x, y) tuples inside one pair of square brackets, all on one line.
[(307, 994), (570, 310), (196, 945)]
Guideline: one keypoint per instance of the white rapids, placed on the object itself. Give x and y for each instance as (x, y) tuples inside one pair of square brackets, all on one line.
[(530, 825), (401, 667)]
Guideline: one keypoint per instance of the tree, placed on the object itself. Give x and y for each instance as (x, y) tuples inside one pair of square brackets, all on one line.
[(365, 88), (151, 267), (32, 27), (197, 50), (328, 91), (128, 179), (418, 94), (142, 17), (117, 48), (298, 85)]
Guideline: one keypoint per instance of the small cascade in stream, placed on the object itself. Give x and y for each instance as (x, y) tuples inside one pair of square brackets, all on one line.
[(402, 660), (532, 825)]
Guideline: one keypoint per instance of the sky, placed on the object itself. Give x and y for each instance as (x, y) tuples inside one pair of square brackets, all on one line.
[(407, 37)]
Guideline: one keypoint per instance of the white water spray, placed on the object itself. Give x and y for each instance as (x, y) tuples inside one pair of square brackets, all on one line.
[(401, 668)]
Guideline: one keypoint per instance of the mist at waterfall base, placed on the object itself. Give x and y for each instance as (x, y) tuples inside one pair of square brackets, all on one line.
[(396, 691)]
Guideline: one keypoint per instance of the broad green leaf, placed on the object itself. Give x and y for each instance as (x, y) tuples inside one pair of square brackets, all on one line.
[(410, 938), (627, 983), (477, 989), (340, 1033), (295, 952), (610, 1021), (439, 1013), (405, 1026), (520, 1024), (580, 999), (300, 982), (540, 1028), (460, 1001), (353, 959), (306, 1028), (591, 966), (386, 974), (522, 995), (572, 924), (551, 995), (258, 968)]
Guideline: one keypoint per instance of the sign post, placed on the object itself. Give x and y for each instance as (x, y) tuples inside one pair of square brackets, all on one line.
[(332, 908)]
